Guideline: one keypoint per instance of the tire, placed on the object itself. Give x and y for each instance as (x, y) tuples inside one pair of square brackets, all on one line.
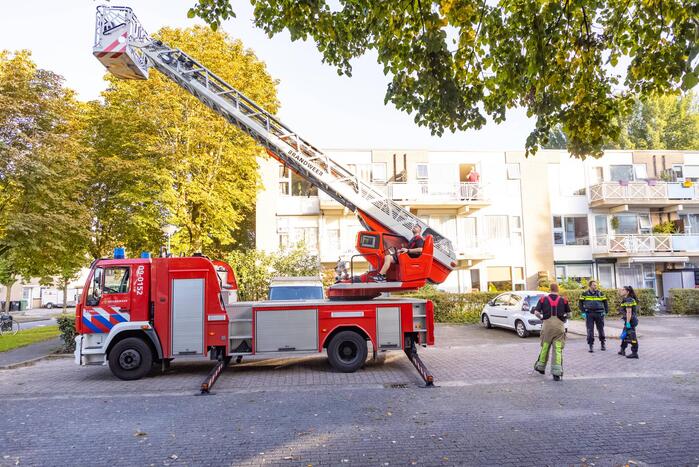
[(486, 321), (521, 329), (347, 351), (49, 305), (130, 359)]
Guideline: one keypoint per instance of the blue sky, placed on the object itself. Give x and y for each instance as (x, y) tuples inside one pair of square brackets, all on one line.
[(329, 110)]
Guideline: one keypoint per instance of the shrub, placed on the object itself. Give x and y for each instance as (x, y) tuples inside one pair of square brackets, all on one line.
[(684, 301), (646, 301), (66, 324), (465, 308)]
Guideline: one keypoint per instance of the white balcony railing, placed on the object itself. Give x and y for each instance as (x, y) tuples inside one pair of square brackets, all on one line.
[(643, 191), (443, 191), (646, 243)]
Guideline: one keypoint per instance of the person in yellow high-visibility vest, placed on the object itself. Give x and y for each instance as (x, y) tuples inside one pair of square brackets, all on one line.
[(553, 310)]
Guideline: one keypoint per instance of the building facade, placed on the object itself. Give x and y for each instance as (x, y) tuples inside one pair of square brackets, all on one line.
[(630, 217)]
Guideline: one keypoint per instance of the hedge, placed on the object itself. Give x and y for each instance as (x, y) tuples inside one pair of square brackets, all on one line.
[(684, 301), (465, 308), (66, 324)]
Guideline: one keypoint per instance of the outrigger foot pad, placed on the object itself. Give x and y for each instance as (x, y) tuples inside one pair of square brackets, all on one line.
[(411, 352)]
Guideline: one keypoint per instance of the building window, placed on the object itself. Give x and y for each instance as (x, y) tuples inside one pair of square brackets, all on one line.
[(516, 229), (597, 174), (570, 230), (574, 272), (513, 172), (284, 180), (333, 238), (621, 173), (640, 171), (499, 278), (633, 224), (422, 171), (497, 228), (678, 172), (378, 172)]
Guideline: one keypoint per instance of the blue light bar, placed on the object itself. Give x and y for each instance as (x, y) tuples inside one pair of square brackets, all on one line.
[(145, 254), (119, 252)]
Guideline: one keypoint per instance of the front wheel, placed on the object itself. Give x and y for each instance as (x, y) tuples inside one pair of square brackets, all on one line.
[(347, 351), (130, 359), (486, 321), (49, 305), (9, 327), (521, 329)]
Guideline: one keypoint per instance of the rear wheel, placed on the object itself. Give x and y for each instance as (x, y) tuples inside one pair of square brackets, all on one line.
[(347, 351), (49, 305), (521, 329), (486, 321), (130, 359)]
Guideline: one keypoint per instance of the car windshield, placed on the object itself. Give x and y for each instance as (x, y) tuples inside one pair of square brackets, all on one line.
[(296, 293)]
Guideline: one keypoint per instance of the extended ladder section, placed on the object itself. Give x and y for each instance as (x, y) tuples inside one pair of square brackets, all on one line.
[(123, 46)]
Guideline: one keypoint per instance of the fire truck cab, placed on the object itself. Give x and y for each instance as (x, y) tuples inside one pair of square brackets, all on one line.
[(136, 312)]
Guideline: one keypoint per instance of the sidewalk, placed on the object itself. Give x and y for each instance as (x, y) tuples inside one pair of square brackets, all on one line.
[(29, 353), (612, 328)]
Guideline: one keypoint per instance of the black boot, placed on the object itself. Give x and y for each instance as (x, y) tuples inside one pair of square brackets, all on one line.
[(604, 347), (633, 355), (622, 352), (591, 350), (557, 378)]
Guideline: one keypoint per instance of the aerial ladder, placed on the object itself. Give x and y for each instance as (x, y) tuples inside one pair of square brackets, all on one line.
[(128, 52)]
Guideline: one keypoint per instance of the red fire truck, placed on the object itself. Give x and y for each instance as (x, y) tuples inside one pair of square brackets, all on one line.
[(134, 312)]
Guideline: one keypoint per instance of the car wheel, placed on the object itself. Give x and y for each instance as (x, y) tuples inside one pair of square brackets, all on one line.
[(347, 351), (521, 329), (49, 305), (130, 359), (486, 321)]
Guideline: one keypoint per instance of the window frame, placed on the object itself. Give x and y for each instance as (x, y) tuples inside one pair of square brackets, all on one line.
[(417, 171), (385, 171), (561, 231)]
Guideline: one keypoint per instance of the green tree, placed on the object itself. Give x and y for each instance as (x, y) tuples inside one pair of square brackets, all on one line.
[(255, 269), (43, 220), (451, 63), (662, 122), (173, 160)]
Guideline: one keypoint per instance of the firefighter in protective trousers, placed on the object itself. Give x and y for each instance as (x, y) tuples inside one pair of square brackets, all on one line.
[(594, 307), (553, 310)]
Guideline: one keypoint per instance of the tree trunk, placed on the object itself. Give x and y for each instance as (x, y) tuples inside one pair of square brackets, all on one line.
[(65, 296), (8, 295)]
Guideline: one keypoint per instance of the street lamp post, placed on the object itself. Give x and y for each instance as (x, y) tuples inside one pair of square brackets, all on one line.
[(169, 230)]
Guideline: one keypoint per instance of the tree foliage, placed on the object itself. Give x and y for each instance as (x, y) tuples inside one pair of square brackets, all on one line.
[(255, 269), (43, 219), (167, 159), (659, 122), (453, 63)]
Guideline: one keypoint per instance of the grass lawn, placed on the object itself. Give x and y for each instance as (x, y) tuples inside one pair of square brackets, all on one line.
[(26, 337)]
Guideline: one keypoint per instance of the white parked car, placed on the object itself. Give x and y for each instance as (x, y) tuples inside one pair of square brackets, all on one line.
[(513, 310)]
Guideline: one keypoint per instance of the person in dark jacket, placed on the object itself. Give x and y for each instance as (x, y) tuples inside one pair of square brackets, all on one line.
[(629, 314), (594, 307), (414, 250), (553, 310)]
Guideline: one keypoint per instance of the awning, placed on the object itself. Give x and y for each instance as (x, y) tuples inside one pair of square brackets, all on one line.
[(659, 259)]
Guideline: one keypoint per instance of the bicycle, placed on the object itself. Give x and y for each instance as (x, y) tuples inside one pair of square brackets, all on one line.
[(8, 325)]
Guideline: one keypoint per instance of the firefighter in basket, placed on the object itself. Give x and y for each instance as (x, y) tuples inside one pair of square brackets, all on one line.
[(553, 310), (414, 250)]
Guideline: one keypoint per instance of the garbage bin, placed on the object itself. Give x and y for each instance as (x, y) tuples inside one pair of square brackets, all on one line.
[(14, 305), (23, 304)]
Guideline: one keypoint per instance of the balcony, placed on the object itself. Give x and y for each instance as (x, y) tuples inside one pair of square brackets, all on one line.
[(424, 194), (674, 247), (658, 194)]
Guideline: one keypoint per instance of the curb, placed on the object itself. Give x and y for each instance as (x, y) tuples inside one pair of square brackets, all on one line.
[(32, 361)]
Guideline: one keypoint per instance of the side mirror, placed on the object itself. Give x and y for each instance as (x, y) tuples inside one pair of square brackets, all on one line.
[(491, 303), (92, 300)]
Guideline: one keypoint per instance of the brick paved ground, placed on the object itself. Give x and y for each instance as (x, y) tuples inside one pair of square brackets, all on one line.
[(489, 409)]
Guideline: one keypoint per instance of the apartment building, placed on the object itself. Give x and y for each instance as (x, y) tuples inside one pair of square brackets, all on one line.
[(518, 219)]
